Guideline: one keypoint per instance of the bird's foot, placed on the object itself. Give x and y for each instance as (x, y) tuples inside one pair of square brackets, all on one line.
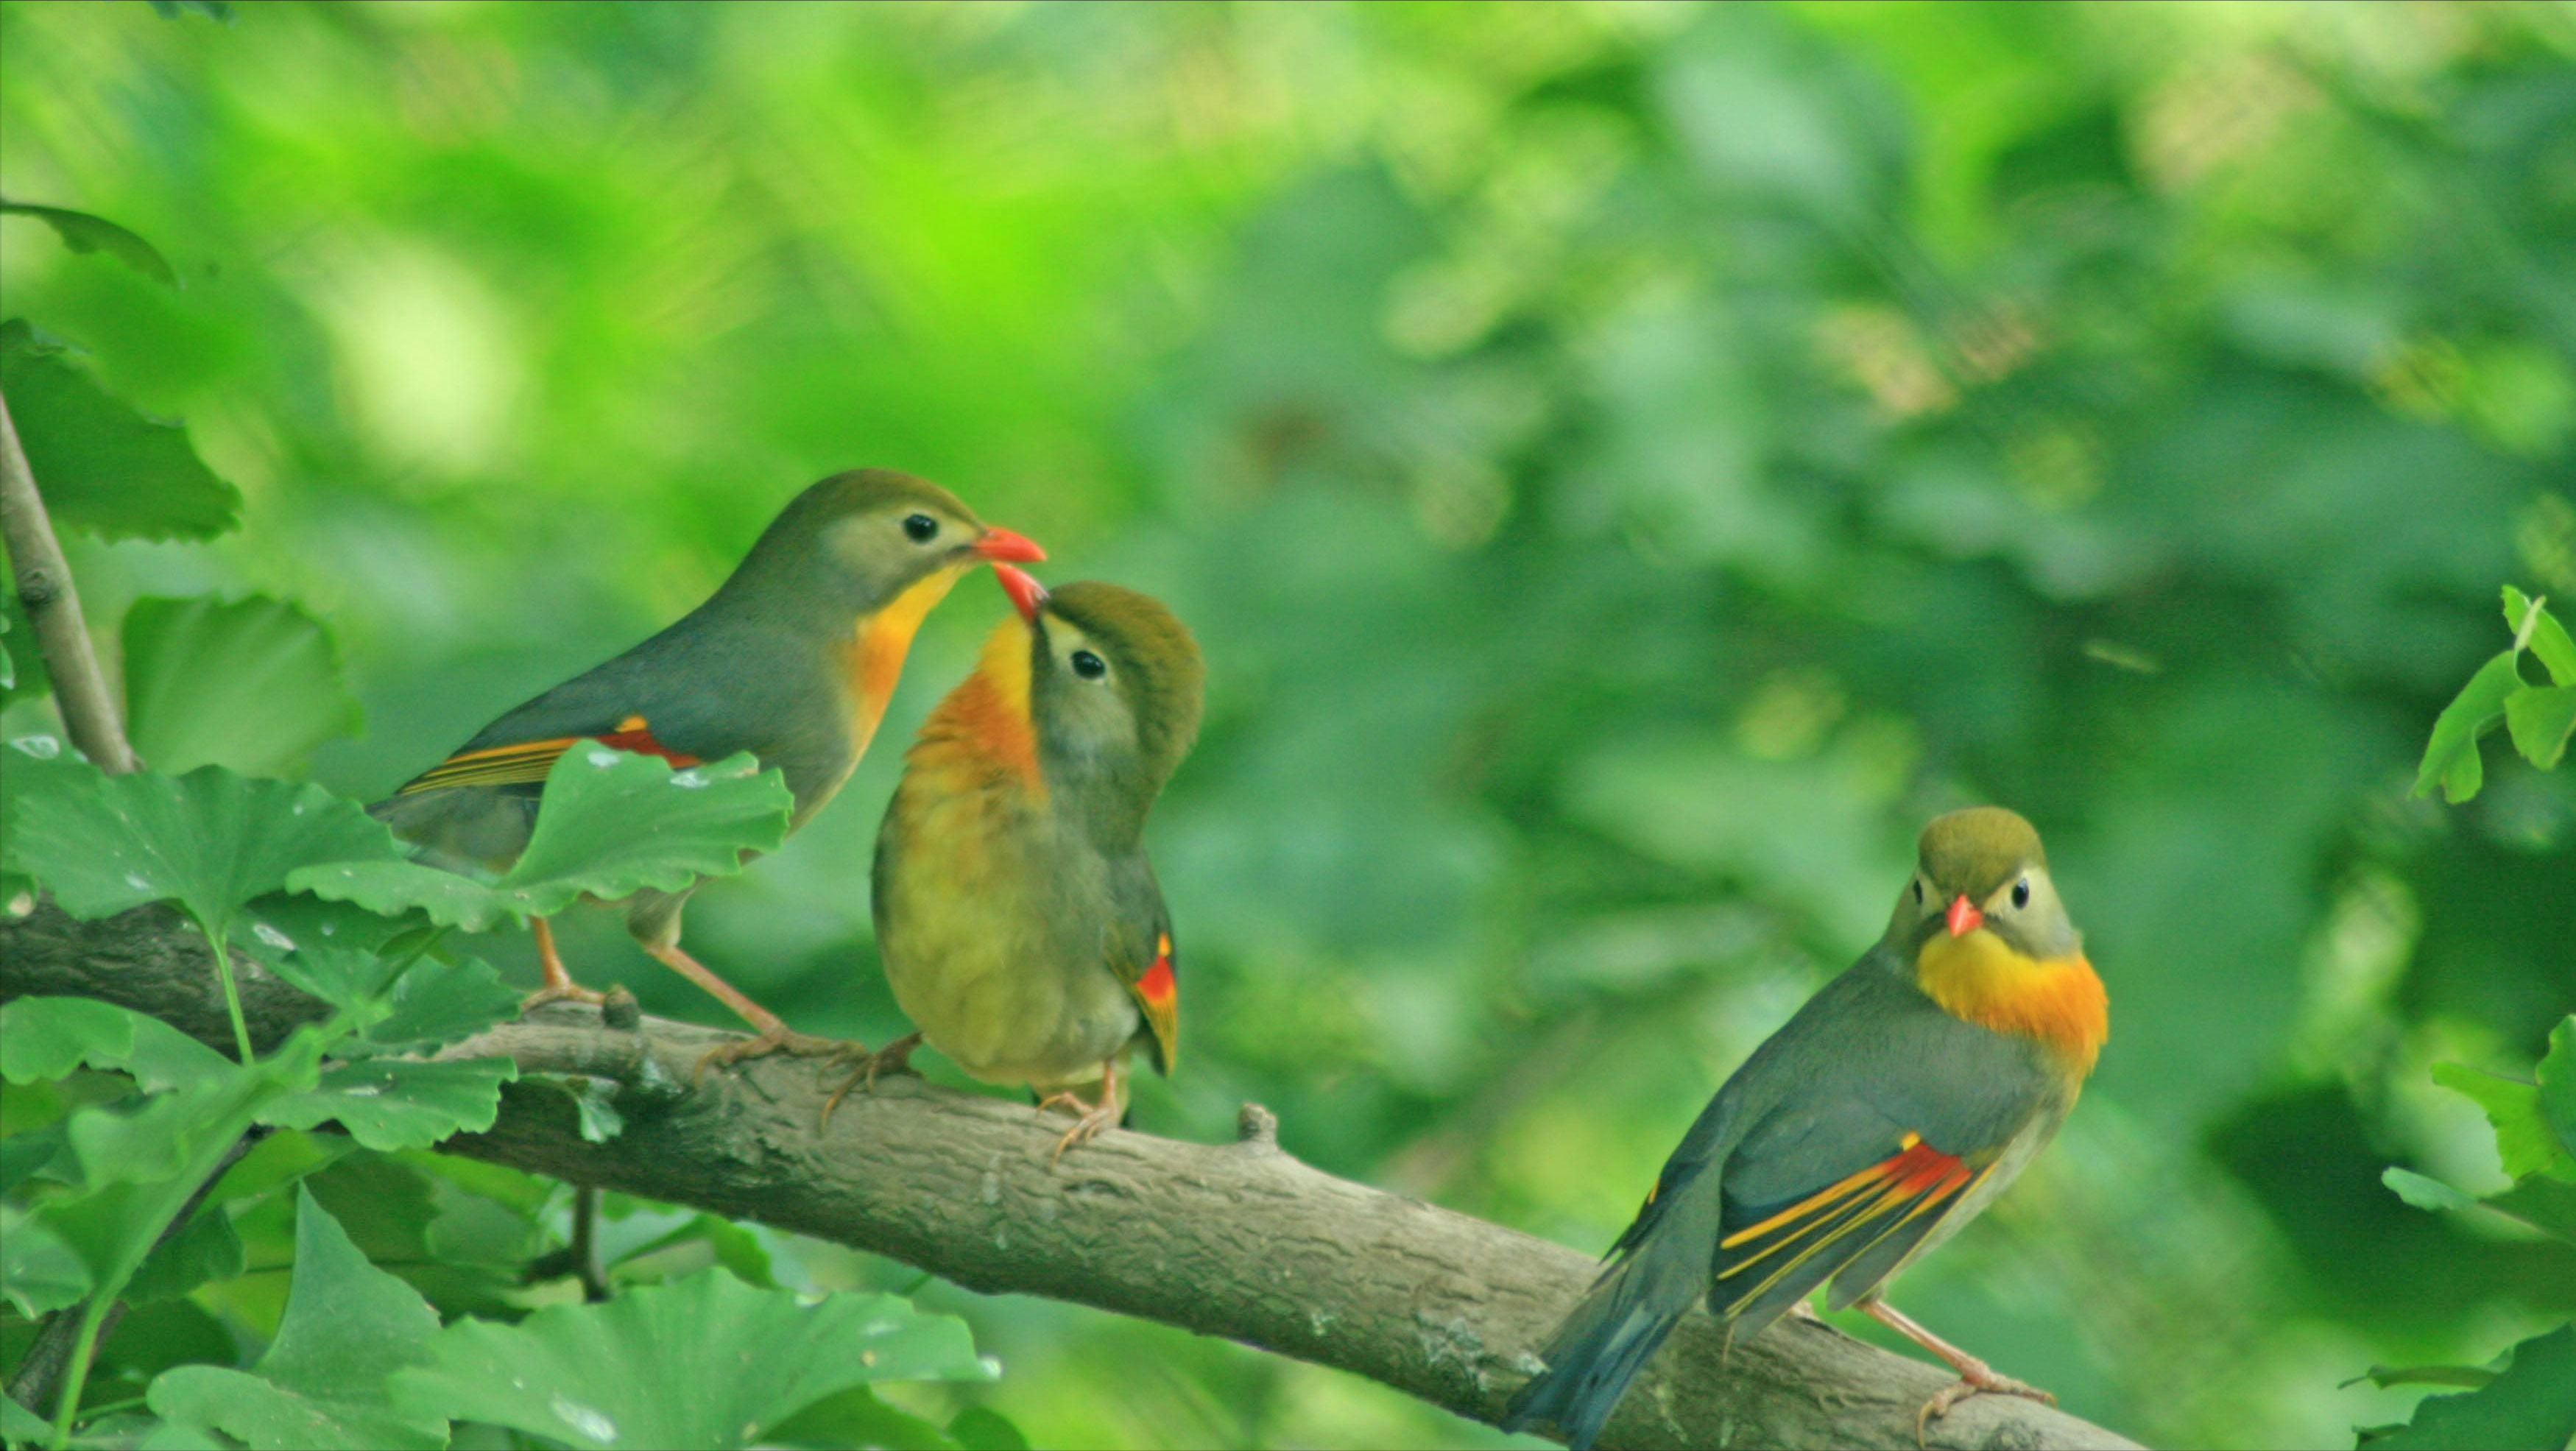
[(1091, 1117), (774, 1040), (1975, 1378), (566, 991), (895, 1057)]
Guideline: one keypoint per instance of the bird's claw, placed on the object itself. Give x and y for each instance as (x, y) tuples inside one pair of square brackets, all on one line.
[(1094, 1117), (895, 1057), (776, 1040), (1974, 1379)]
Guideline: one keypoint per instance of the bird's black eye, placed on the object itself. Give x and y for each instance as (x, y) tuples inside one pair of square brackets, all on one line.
[(1918, 891), (920, 528), (1088, 665), (2021, 892)]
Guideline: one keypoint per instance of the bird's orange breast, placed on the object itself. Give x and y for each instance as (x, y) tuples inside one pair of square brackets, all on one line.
[(2057, 1000), (874, 654), (983, 734)]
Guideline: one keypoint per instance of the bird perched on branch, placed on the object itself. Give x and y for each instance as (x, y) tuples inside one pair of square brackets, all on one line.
[(1019, 921), (1884, 1115), (792, 659)]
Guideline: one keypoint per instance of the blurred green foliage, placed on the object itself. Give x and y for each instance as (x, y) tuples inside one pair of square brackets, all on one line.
[(1627, 466)]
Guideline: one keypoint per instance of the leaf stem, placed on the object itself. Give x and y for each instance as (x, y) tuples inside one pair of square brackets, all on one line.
[(232, 993), (44, 585)]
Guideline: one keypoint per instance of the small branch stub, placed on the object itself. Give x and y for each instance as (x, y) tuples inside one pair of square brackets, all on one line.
[(1256, 1127)]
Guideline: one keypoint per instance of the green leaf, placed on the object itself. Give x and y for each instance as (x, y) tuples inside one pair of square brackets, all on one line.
[(320, 1386), (138, 1165), (24, 670), (633, 1372), (438, 1003), (218, 11), (980, 1428), (687, 1247), (2529, 1406), (2542, 1202), (277, 1160), (2549, 639), (856, 1417), (22, 1427), (2426, 1193), (2524, 1139), (611, 823), (2540, 718), (206, 1249), (2384, 1376), (395, 1103), (83, 232), (209, 840), (253, 684), (47, 1037), (143, 1138), (595, 1101), (2450, 757), (102, 466), (2557, 1075), (38, 1271), (338, 976)]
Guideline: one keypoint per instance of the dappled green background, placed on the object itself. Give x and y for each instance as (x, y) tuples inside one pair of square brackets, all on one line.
[(1627, 466)]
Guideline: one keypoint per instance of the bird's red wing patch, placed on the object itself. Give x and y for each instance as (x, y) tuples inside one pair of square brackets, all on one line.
[(1157, 991), (529, 761), (1839, 1221)]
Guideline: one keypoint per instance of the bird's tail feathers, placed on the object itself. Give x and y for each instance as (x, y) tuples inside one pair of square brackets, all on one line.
[(1622, 1321)]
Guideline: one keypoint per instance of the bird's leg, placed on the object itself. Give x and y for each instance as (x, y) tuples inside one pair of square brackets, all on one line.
[(895, 1057), (559, 984), (774, 1035), (1974, 1374), (1093, 1116)]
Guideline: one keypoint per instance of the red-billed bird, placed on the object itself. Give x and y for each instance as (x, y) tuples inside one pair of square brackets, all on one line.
[(1020, 923), (1885, 1114), (792, 659)]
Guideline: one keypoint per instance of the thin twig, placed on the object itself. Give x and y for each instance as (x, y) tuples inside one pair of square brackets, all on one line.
[(44, 584)]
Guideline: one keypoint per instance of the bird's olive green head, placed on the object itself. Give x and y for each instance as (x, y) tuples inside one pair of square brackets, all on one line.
[(1982, 869), (1115, 685), (853, 543)]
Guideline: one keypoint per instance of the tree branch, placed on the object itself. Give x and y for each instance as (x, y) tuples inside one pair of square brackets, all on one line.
[(1238, 1240), (44, 584)]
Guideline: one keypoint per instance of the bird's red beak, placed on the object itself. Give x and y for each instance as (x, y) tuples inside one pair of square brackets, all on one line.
[(1008, 546), (1025, 592), (1964, 917)]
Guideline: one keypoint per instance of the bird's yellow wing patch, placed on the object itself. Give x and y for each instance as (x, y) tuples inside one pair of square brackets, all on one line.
[(529, 761), (1837, 1222)]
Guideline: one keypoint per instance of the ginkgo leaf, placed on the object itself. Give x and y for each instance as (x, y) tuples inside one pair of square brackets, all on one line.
[(611, 824), (320, 1386), (253, 684), (705, 1361), (209, 840)]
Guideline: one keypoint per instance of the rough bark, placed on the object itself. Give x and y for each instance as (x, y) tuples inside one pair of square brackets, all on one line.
[(1238, 1240)]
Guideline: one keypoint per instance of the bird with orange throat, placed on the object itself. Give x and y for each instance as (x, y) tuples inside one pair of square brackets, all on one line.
[(1019, 921), (1885, 1114), (792, 659)]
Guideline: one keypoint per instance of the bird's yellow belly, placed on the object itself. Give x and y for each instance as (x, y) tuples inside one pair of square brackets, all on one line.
[(983, 969)]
